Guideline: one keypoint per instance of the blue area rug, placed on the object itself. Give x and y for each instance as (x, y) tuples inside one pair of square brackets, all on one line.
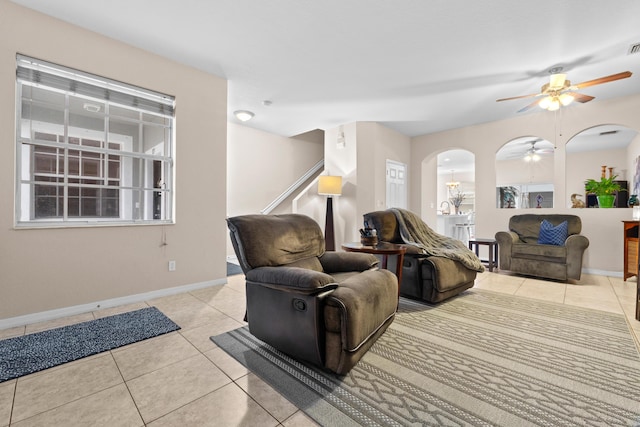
[(34, 352)]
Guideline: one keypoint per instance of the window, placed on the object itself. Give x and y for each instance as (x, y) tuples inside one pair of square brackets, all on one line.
[(90, 150)]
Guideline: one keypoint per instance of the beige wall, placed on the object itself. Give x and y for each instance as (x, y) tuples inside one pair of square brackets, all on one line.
[(602, 227), (262, 165), (362, 164), (51, 269)]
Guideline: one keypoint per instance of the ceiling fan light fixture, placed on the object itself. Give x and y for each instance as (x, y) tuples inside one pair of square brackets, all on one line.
[(554, 104), (545, 103), (566, 99), (531, 157)]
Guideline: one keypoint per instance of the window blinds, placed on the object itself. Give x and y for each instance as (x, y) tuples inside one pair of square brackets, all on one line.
[(39, 72)]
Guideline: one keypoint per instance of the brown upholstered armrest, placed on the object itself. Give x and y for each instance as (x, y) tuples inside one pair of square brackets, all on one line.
[(291, 278), (335, 262), (577, 242), (506, 237), (505, 240)]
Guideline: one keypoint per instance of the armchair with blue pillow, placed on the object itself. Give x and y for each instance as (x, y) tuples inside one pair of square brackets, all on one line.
[(548, 246)]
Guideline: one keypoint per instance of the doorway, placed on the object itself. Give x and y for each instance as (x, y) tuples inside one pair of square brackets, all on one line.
[(396, 185)]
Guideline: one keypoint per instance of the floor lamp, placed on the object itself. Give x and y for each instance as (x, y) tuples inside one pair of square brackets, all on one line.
[(329, 186)]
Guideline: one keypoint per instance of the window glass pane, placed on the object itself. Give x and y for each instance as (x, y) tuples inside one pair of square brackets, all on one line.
[(82, 157), (154, 139), (152, 118), (83, 114), (115, 110), (124, 133), (90, 167)]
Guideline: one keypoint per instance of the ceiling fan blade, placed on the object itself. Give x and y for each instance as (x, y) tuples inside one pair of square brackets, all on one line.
[(579, 97), (533, 104), (601, 80), (518, 97)]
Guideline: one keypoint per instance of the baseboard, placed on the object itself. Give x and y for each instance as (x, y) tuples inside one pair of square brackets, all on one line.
[(114, 302), (602, 272)]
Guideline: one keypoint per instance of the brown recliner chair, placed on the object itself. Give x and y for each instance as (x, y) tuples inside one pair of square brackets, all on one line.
[(427, 278), (327, 308), (520, 252)]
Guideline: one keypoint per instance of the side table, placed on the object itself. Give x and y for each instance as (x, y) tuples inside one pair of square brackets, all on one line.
[(493, 251), (385, 249)]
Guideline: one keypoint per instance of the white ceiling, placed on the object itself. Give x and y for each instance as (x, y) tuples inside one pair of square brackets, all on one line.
[(417, 66)]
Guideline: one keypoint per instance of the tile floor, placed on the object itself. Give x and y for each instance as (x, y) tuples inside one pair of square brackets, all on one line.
[(183, 379)]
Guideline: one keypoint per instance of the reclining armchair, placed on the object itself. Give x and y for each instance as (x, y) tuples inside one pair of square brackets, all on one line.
[(428, 278), (524, 250), (327, 308)]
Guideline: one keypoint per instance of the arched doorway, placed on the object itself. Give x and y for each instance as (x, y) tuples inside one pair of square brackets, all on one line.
[(604, 146), (455, 189), (524, 173)]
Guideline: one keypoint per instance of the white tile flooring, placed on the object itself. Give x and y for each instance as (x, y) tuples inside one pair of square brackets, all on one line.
[(184, 379)]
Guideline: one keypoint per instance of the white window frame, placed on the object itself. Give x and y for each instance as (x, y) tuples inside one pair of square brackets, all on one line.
[(136, 197)]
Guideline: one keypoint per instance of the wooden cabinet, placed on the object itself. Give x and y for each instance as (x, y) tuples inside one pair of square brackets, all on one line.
[(630, 249)]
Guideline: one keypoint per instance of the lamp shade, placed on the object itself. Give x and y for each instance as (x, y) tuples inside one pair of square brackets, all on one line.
[(330, 185)]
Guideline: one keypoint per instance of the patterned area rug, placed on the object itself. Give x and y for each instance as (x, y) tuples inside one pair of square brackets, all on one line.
[(34, 352), (481, 359)]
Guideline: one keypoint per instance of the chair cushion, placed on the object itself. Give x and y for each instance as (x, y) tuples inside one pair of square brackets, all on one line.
[(540, 252), (553, 235), (272, 240)]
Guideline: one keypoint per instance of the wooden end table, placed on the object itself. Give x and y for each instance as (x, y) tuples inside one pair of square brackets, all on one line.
[(493, 251), (385, 249)]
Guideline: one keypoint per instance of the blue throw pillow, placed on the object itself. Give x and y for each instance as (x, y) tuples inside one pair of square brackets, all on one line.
[(550, 235)]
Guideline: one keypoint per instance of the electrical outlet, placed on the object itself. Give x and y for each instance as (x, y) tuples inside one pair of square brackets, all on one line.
[(172, 266)]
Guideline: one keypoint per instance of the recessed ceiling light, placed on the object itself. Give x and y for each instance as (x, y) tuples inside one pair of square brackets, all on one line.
[(243, 115)]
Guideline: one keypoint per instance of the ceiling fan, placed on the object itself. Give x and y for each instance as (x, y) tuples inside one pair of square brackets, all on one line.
[(529, 149), (533, 154), (560, 92)]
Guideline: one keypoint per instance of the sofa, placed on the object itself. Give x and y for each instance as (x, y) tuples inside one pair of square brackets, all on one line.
[(523, 249), (322, 307), (432, 279)]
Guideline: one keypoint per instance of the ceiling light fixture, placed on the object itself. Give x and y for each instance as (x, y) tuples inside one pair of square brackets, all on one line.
[(558, 83), (243, 115), (452, 184), (531, 155)]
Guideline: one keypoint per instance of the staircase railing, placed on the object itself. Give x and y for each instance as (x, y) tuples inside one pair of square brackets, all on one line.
[(293, 187)]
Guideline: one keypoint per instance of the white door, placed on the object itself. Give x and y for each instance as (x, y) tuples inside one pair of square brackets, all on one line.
[(396, 185)]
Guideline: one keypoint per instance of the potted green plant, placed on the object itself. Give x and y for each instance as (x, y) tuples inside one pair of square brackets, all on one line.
[(605, 190)]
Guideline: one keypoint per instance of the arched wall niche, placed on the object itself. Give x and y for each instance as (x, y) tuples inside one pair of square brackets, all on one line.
[(612, 146), (455, 185), (525, 173)]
